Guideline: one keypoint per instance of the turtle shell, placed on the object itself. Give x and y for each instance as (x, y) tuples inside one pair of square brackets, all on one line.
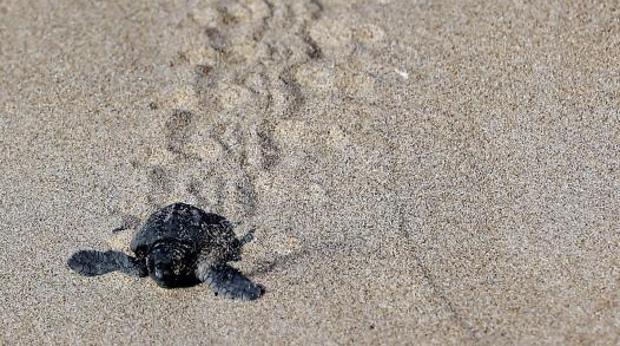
[(180, 222)]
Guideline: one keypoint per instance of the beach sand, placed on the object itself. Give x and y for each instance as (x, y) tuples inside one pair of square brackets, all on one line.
[(417, 172)]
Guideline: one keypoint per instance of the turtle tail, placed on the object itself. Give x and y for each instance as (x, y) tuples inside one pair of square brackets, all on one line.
[(248, 237)]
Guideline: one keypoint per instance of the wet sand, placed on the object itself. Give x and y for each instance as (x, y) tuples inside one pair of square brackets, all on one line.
[(417, 172)]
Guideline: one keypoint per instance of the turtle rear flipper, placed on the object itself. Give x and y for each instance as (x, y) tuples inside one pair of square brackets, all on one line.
[(93, 263), (229, 282)]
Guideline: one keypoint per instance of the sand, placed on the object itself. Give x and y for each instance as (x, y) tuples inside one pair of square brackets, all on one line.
[(418, 172)]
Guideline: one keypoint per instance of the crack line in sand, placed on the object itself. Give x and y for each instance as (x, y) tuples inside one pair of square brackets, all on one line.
[(427, 276), (402, 223), (426, 273)]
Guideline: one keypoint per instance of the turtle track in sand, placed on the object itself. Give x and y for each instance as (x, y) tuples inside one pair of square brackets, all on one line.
[(243, 83)]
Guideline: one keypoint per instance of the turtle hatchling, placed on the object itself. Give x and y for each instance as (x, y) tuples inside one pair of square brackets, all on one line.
[(179, 246)]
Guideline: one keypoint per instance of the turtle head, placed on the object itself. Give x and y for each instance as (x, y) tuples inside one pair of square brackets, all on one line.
[(171, 264)]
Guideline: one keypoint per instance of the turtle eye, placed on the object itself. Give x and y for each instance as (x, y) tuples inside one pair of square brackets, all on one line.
[(141, 252)]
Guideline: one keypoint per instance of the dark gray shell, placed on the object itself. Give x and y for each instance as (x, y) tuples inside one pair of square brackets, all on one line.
[(180, 222)]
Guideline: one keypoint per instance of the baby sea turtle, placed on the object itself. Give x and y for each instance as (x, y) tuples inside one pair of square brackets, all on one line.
[(178, 246)]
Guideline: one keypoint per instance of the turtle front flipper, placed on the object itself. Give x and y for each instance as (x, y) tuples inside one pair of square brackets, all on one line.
[(227, 281), (93, 263)]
